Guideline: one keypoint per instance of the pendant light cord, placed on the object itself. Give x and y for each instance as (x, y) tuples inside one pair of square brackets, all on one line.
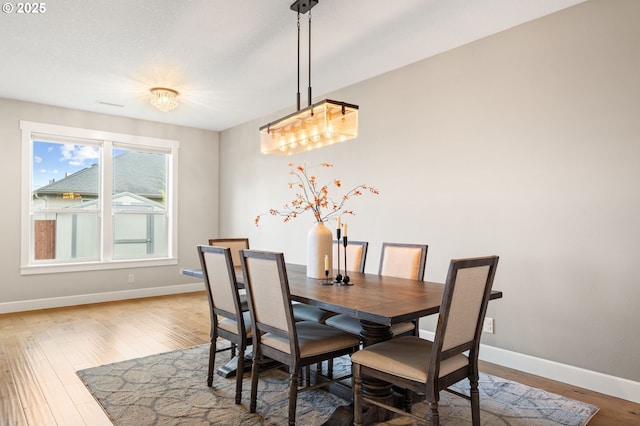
[(309, 65), (309, 89), (298, 93)]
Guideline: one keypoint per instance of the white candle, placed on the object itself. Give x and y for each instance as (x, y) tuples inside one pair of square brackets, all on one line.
[(338, 227), (344, 230), (326, 262)]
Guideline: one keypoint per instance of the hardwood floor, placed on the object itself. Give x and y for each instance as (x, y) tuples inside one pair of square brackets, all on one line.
[(40, 352)]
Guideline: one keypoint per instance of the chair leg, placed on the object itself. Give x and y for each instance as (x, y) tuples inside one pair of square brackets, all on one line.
[(293, 396), (212, 361), (305, 379), (329, 368), (408, 400), (255, 370), (233, 350), (475, 403), (239, 374), (357, 395), (433, 415)]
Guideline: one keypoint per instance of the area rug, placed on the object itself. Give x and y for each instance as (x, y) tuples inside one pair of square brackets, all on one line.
[(170, 389)]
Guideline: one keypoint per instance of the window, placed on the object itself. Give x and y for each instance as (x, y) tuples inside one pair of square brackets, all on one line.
[(96, 200)]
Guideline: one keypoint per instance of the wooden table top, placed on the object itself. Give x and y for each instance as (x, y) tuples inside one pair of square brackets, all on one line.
[(376, 298)]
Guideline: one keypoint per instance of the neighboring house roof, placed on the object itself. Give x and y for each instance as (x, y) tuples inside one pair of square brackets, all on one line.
[(135, 172)]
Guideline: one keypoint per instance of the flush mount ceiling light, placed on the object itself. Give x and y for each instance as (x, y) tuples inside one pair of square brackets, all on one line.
[(164, 99), (320, 124)]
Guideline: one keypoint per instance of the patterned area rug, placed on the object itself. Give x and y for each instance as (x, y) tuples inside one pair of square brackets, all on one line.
[(170, 389)]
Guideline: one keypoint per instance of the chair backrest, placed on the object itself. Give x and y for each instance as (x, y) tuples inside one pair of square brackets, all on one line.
[(403, 260), (235, 244), (220, 283), (265, 277), (464, 305), (356, 255)]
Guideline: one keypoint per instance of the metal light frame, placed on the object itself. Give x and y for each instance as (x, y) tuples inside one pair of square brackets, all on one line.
[(324, 123)]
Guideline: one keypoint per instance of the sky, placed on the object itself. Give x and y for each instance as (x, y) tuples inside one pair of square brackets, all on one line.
[(55, 160)]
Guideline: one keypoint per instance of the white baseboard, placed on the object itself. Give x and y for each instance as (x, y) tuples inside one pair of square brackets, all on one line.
[(83, 299), (576, 376)]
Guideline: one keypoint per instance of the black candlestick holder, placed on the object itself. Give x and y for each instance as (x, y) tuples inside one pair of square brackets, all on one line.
[(345, 279), (327, 281), (338, 276)]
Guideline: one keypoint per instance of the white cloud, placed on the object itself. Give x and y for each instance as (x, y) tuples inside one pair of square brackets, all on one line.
[(76, 155), (37, 159)]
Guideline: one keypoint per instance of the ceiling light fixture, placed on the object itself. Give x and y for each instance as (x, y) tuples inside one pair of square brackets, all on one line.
[(320, 124), (164, 99)]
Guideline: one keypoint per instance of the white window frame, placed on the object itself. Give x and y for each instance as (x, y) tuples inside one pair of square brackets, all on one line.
[(104, 139)]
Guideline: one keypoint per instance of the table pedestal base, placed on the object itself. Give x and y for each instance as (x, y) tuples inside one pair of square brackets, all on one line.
[(231, 367), (371, 333)]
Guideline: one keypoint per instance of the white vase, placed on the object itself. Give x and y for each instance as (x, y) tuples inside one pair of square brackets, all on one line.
[(319, 244)]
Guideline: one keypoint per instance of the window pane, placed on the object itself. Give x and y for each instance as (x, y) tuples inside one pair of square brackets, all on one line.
[(140, 174), (60, 168), (65, 176), (139, 235), (63, 237), (139, 204)]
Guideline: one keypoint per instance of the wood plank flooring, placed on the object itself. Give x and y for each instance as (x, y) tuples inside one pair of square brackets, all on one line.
[(40, 352)]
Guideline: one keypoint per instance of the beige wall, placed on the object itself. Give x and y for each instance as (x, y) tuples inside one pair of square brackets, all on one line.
[(197, 211), (524, 144)]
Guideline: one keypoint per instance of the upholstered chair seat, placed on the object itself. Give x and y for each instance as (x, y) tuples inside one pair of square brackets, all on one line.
[(313, 339), (406, 357), (231, 325), (304, 312)]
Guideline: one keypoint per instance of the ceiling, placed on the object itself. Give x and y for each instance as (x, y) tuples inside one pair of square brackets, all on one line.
[(232, 61)]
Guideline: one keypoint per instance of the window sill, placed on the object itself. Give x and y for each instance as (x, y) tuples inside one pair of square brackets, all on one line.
[(96, 266)]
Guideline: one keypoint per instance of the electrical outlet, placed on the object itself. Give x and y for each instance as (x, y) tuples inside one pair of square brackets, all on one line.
[(487, 327), (132, 278)]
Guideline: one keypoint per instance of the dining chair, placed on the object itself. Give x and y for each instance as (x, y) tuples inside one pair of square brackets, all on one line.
[(276, 334), (356, 258), (428, 367), (396, 260), (235, 244), (356, 255), (403, 260), (228, 321)]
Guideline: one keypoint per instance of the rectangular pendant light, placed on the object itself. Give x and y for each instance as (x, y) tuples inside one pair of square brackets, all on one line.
[(324, 123)]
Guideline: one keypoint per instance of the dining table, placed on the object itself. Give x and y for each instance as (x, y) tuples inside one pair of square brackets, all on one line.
[(378, 301)]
